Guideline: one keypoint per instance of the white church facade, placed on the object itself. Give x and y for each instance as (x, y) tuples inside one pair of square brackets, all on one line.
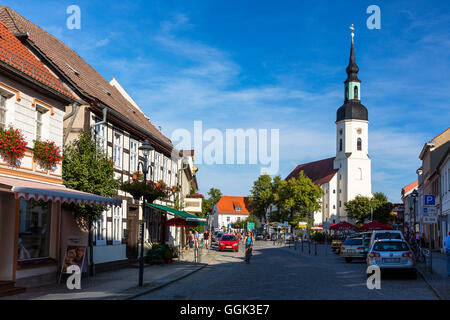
[(348, 174)]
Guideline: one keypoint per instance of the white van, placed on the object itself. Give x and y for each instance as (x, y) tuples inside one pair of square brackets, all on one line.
[(386, 234)]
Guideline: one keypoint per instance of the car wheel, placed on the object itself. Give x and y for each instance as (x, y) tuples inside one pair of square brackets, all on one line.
[(348, 260)]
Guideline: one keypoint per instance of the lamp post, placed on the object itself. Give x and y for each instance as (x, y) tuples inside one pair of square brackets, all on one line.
[(145, 148), (414, 194)]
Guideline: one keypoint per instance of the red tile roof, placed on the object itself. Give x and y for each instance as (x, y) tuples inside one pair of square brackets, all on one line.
[(410, 187), (15, 54), (228, 204), (319, 172), (87, 80)]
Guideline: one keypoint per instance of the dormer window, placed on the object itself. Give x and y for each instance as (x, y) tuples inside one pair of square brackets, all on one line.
[(237, 206)]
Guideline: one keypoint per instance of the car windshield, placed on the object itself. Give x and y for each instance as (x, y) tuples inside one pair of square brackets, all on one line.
[(390, 246), (353, 242), (388, 235), (228, 238)]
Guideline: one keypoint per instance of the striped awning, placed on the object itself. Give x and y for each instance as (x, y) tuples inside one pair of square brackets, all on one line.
[(28, 189)]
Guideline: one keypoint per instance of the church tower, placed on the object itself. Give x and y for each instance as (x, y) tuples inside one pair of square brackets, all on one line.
[(352, 148)]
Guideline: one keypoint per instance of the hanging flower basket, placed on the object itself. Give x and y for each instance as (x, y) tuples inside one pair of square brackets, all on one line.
[(149, 189), (12, 145), (47, 154)]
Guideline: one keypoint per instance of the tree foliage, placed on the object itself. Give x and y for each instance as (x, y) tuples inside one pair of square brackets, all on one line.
[(208, 204), (261, 196), (87, 168), (298, 198), (359, 208)]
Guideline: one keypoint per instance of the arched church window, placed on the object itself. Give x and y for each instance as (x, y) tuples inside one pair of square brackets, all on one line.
[(355, 92), (340, 145), (359, 174), (359, 144)]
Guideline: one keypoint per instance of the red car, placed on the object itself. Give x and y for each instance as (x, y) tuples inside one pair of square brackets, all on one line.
[(228, 242)]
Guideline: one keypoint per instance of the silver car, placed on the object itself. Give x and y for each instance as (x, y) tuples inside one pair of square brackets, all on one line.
[(392, 254), (353, 248)]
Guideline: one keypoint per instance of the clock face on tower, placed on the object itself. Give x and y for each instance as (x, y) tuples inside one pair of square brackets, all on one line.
[(359, 130)]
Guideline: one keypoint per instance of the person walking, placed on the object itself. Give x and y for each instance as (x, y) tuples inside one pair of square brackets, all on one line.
[(190, 240), (200, 239), (196, 239), (447, 252), (206, 238)]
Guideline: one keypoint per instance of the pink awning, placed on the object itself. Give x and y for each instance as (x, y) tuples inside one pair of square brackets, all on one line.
[(29, 189)]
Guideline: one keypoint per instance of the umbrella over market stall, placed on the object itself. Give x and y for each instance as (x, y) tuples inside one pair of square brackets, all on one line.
[(343, 226), (375, 225)]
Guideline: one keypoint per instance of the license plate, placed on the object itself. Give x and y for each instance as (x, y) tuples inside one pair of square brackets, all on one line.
[(228, 247), (350, 250), (391, 260)]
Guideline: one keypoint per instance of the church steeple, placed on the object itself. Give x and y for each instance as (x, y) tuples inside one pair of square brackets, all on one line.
[(352, 108), (352, 68)]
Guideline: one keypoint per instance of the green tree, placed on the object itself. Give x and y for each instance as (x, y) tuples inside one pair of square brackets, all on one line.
[(87, 168), (358, 209), (299, 197), (208, 204), (261, 196)]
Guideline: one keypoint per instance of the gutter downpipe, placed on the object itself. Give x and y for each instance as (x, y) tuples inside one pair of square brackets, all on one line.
[(75, 107), (105, 112)]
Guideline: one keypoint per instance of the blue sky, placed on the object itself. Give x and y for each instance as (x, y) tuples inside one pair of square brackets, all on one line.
[(272, 65)]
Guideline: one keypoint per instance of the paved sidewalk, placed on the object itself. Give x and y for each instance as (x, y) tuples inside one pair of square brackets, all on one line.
[(121, 284), (438, 279)]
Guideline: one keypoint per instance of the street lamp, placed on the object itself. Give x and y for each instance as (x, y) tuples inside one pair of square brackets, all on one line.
[(145, 148), (414, 194)]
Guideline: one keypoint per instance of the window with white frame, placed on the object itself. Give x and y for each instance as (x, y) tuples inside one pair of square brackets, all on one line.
[(39, 133), (166, 170), (117, 153), (174, 173), (3, 111), (100, 230), (156, 174), (101, 136), (133, 156), (117, 225)]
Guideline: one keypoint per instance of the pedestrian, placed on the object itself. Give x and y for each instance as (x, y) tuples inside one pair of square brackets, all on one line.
[(447, 252), (196, 239), (200, 239), (206, 238), (191, 240)]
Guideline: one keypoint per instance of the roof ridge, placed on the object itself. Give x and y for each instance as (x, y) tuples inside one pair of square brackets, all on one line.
[(440, 134)]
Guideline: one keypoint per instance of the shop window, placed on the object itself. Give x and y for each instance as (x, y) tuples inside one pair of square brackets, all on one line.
[(100, 230), (34, 229), (117, 225)]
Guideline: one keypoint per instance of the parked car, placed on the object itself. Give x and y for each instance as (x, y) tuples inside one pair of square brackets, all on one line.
[(259, 236), (228, 242), (353, 248), (386, 234), (216, 236), (392, 254), (336, 243), (288, 237)]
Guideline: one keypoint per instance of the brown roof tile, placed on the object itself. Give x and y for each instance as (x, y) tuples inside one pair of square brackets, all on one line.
[(319, 172), (88, 80)]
